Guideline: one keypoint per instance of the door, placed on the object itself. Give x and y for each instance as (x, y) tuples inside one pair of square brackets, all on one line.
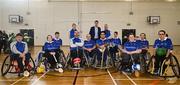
[(28, 36), (125, 33)]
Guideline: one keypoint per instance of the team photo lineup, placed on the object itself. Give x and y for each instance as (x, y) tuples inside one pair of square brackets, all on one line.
[(102, 49), (89, 42)]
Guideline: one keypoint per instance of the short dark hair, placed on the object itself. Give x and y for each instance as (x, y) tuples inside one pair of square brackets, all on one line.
[(116, 32), (19, 34), (49, 35), (56, 33), (131, 34), (162, 31), (144, 35)]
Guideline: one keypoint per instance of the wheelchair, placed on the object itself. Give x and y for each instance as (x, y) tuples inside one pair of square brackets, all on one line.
[(134, 67), (84, 61), (168, 68), (103, 63), (144, 60), (9, 66), (42, 65)]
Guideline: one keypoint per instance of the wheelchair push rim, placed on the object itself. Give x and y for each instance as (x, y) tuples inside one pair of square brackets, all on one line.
[(6, 65)]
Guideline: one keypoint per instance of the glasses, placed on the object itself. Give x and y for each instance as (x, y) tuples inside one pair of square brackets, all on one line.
[(161, 34)]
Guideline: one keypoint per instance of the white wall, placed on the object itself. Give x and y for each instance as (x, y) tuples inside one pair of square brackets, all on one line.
[(48, 17)]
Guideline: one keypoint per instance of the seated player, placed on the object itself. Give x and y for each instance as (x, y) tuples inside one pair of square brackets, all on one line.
[(51, 53), (102, 44), (162, 48), (57, 42), (144, 44), (76, 50), (131, 48), (89, 46), (115, 45), (20, 52)]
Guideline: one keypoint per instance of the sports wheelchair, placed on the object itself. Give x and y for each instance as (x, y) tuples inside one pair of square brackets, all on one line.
[(42, 64), (10, 65), (134, 65), (102, 59), (168, 68), (81, 61)]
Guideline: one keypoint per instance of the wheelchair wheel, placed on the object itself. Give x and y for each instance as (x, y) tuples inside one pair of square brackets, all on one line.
[(170, 67), (68, 61), (142, 64), (62, 58), (175, 66), (6, 65), (151, 65), (31, 66)]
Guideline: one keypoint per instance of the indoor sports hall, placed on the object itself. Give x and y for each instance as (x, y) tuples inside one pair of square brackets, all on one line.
[(89, 42)]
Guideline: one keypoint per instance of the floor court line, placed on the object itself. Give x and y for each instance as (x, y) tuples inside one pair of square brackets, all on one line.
[(112, 77), (18, 80), (129, 78), (39, 78)]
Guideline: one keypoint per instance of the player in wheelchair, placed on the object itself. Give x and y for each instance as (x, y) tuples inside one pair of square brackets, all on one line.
[(76, 52), (19, 61), (145, 54), (163, 58), (115, 46), (131, 56), (102, 56), (89, 49), (51, 53), (58, 43)]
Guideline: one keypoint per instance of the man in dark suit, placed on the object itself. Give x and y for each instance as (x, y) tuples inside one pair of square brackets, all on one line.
[(95, 31)]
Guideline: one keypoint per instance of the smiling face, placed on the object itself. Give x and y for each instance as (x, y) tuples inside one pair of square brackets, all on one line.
[(49, 38), (115, 34), (162, 35), (131, 38), (142, 36), (74, 26), (57, 36), (76, 34), (88, 36), (102, 35), (19, 38), (96, 23)]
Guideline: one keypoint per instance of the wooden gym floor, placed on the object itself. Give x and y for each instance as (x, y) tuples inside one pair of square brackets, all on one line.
[(83, 77)]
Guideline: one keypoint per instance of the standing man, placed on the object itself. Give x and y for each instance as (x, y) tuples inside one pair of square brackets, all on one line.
[(107, 31), (95, 31)]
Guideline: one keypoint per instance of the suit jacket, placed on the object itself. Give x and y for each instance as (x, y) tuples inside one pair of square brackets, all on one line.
[(92, 32)]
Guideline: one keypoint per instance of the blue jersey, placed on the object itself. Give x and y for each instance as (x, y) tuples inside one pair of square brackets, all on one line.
[(49, 47), (166, 43), (89, 44), (132, 46), (76, 43), (101, 42), (116, 41), (57, 43), (20, 46), (71, 32), (144, 43), (107, 33)]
